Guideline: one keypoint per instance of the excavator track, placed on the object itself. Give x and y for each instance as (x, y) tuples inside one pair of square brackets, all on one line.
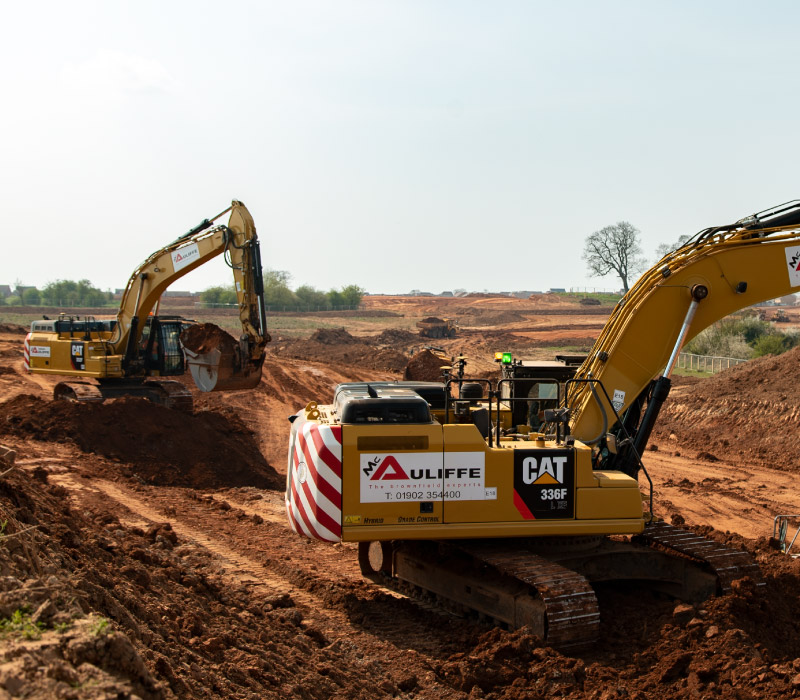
[(498, 580), (174, 394), (572, 615), (545, 584), (728, 564), (82, 392), (166, 392)]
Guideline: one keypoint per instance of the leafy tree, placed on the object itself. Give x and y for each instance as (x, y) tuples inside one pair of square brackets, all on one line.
[(218, 295), (70, 293), (335, 299), (775, 344), (742, 338), (616, 249), (13, 300), (276, 289), (720, 340), (352, 295), (31, 297), (309, 296)]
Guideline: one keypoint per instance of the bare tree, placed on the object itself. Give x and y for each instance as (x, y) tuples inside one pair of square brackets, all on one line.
[(615, 249), (666, 248)]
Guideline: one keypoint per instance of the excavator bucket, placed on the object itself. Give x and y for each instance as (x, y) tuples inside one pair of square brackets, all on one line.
[(213, 357)]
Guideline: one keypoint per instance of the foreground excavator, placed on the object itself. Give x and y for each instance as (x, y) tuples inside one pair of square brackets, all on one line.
[(131, 354), (447, 495)]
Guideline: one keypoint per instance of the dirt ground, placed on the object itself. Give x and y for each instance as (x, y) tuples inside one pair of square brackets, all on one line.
[(145, 553)]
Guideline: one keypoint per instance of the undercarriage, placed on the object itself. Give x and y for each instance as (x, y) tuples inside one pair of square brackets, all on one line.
[(546, 583)]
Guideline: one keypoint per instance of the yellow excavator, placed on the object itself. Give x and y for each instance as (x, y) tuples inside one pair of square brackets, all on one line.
[(446, 495), (131, 354)]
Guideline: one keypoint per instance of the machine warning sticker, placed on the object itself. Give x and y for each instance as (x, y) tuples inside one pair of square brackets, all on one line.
[(544, 483), (184, 256), (793, 263), (420, 476)]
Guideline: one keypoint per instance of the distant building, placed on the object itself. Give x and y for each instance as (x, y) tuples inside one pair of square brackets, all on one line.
[(555, 290), (446, 294), (5, 290)]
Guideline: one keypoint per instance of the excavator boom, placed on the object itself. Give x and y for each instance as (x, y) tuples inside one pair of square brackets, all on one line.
[(719, 271), (139, 344)]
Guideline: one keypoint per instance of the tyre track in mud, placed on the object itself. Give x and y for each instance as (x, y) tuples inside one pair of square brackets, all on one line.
[(725, 496), (323, 580)]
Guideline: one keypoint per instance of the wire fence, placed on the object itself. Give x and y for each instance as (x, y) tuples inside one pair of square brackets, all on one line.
[(707, 363), (593, 290), (298, 308)]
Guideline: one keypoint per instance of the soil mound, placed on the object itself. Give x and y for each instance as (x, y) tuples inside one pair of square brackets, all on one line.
[(210, 449), (13, 328), (94, 608), (497, 318), (748, 413), (395, 337), (205, 337), (425, 366), (551, 299), (432, 319), (333, 336), (355, 353)]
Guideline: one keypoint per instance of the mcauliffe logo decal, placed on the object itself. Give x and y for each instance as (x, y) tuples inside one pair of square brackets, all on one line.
[(389, 469), (184, 256), (423, 476), (793, 263)]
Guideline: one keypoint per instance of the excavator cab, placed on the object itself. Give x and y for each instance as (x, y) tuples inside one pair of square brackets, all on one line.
[(160, 348)]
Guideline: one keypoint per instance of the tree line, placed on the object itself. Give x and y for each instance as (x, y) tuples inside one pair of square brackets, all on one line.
[(277, 293), (83, 294), (60, 293)]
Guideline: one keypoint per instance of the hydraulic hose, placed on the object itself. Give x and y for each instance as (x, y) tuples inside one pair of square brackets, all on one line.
[(604, 429)]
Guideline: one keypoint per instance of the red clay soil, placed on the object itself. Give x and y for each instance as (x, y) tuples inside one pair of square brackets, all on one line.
[(425, 366), (332, 336), (170, 448), (747, 415), (335, 346), (135, 588), (395, 337), (205, 337), (175, 626)]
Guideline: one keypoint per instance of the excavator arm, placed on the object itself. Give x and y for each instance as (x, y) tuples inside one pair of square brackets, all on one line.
[(239, 244), (719, 271)]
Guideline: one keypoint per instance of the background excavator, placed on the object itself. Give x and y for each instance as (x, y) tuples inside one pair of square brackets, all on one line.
[(131, 354), (446, 494)]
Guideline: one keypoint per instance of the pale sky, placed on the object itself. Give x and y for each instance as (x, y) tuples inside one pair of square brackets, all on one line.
[(397, 145)]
